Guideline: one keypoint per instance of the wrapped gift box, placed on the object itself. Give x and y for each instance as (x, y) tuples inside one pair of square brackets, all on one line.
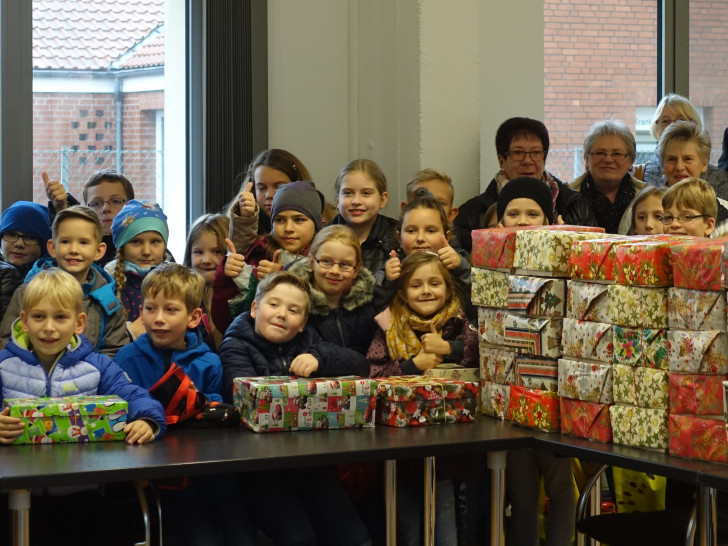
[(698, 438), (646, 347), (286, 403), (587, 381), (591, 340), (537, 296), (537, 373), (454, 371), (546, 251), (534, 409), (700, 264), (696, 309), (637, 306), (69, 419), (587, 301), (490, 325), (534, 336), (644, 263), (696, 394), (593, 259), (697, 351), (642, 387), (497, 365), (639, 427), (489, 288), (414, 400), (586, 420), (495, 399)]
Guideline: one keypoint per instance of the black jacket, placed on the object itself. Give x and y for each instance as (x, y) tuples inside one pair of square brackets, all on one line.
[(10, 278), (381, 241)]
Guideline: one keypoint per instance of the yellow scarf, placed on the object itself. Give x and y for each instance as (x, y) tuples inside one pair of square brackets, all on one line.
[(402, 340)]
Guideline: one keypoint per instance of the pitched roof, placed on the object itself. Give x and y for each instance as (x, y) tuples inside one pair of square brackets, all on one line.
[(97, 34)]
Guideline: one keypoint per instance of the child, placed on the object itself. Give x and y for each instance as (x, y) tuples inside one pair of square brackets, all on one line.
[(647, 211), (439, 184), (361, 192), (524, 202), (341, 289), (74, 247), (273, 339), (139, 233), (691, 208)]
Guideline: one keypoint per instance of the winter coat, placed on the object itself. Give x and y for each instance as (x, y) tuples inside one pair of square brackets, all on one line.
[(10, 279), (146, 364), (244, 353), (79, 371)]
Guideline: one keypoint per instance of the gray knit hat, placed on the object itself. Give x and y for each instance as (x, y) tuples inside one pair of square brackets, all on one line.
[(301, 196)]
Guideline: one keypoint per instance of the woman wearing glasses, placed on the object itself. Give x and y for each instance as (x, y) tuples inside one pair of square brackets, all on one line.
[(608, 186)]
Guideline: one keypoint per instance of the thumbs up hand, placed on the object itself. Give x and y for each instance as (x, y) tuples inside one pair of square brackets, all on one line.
[(433, 343), (246, 201), (266, 267), (55, 192), (235, 262), (393, 267), (449, 258)]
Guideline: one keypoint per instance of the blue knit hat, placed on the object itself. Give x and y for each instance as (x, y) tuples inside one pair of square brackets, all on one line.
[(28, 217), (136, 217), (301, 196)]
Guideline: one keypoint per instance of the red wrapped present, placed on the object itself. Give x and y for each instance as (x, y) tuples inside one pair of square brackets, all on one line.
[(644, 263), (593, 259), (534, 408), (586, 420), (698, 438), (700, 264), (696, 394)]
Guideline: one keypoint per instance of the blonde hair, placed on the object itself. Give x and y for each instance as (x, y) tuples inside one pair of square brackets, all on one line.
[(175, 281), (55, 286), (684, 131), (340, 233), (119, 276), (692, 193), (366, 166), (217, 225), (80, 212), (681, 106), (644, 193), (283, 277), (426, 175)]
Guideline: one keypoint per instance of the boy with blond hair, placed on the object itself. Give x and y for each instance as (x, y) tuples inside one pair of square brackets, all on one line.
[(74, 247), (691, 208), (439, 184)]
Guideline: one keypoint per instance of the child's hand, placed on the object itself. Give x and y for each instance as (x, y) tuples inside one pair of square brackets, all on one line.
[(235, 262), (433, 343), (10, 427), (303, 365), (138, 432), (449, 258), (559, 220), (137, 327), (55, 192), (265, 267), (425, 361), (246, 201), (393, 267)]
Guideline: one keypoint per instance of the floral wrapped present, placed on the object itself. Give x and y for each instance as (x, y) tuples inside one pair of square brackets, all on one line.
[(637, 306), (534, 336), (698, 438), (454, 371), (644, 263), (534, 408), (593, 259), (587, 340), (537, 373), (497, 365), (546, 251), (645, 347), (587, 381), (490, 325), (537, 296), (495, 399), (414, 400), (696, 309), (286, 403), (586, 420), (642, 387), (700, 264), (489, 288), (639, 427), (69, 419), (587, 301), (696, 394), (697, 351)]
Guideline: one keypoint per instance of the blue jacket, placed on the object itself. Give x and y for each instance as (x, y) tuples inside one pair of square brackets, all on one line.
[(146, 364), (79, 371)]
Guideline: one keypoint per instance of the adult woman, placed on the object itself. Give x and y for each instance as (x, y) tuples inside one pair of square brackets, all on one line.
[(609, 151)]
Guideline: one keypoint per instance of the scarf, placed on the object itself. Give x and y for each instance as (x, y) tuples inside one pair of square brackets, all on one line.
[(501, 180), (401, 333), (609, 214)]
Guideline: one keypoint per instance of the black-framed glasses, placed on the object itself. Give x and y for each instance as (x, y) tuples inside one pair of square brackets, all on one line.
[(114, 202), (344, 267), (27, 238), (520, 155), (602, 155), (667, 219)]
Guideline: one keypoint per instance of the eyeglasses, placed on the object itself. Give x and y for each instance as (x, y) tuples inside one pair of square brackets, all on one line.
[(520, 155), (344, 267), (28, 239), (114, 202), (664, 122), (681, 218), (601, 155)]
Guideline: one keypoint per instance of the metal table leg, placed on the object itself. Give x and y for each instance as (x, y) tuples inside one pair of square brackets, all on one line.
[(707, 517), (19, 503), (429, 518), (390, 500), (595, 501), (497, 466)]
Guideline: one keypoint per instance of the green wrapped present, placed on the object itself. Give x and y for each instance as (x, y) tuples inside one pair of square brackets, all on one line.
[(639, 427), (489, 288)]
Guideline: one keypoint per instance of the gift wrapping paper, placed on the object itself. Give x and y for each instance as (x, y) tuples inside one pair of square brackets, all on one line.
[(489, 288), (700, 264), (534, 336), (697, 351), (286, 403), (696, 394), (453, 371), (541, 251), (637, 306), (537, 373), (587, 301), (495, 399), (537, 296), (69, 419), (696, 309), (698, 438), (642, 387), (414, 400), (587, 340), (639, 427), (646, 347), (593, 259), (534, 408), (490, 325), (497, 365), (586, 420), (586, 381), (644, 263)]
